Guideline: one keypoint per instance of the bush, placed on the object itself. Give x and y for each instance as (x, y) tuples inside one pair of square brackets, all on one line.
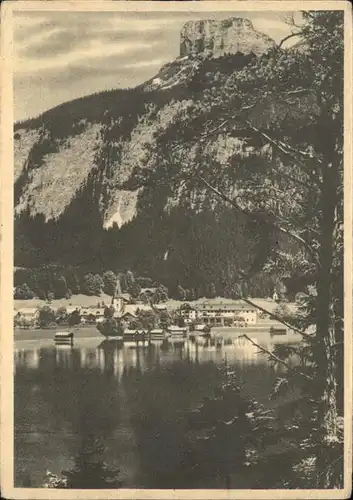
[(89, 471), (92, 284), (109, 282), (46, 317), (74, 318), (110, 327), (23, 292)]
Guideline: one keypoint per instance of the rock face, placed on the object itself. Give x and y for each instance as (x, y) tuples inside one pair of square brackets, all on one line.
[(217, 38), (102, 140)]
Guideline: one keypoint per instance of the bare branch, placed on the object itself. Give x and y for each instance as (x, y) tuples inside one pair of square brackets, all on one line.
[(213, 131), (287, 38), (277, 318), (276, 358), (254, 216), (285, 148)]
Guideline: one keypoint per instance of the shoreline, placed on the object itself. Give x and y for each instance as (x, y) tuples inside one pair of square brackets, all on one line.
[(92, 332)]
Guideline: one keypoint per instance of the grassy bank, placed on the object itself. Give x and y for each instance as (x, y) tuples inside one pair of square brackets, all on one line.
[(75, 300), (48, 333)]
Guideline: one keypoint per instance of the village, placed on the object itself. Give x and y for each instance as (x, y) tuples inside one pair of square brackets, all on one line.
[(216, 319)]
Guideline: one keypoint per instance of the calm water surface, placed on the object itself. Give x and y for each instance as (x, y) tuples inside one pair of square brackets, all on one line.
[(131, 398)]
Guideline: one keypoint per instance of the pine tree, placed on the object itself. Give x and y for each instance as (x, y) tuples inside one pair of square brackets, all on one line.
[(89, 471)]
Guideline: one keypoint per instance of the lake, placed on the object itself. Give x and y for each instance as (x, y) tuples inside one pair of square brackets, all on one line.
[(131, 398)]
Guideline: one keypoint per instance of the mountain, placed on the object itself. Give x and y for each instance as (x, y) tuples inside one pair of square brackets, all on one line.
[(89, 165), (218, 38)]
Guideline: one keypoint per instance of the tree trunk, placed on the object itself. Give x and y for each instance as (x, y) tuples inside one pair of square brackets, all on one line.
[(325, 330)]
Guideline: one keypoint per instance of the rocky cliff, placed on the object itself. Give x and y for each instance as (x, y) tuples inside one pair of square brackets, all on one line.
[(217, 38), (111, 134), (91, 164)]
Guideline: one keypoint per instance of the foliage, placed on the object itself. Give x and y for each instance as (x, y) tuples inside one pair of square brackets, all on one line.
[(229, 433), (74, 318), (146, 319), (92, 284), (164, 320), (61, 315), (46, 316), (282, 182), (23, 292), (109, 280), (282, 311), (110, 327), (285, 178), (109, 312), (60, 287), (89, 471), (134, 290)]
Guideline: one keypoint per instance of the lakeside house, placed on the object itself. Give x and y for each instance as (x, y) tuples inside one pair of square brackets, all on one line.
[(188, 313), (132, 309), (157, 334), (219, 313), (28, 315), (92, 315), (127, 318), (139, 335), (72, 309), (177, 332)]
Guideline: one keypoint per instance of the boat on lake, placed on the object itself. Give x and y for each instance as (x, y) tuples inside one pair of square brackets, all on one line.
[(64, 338), (278, 330)]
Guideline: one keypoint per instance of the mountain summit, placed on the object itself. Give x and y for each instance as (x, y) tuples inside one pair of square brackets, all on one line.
[(88, 174), (218, 38)]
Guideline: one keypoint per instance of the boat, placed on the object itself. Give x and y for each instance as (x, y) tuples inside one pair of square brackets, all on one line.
[(157, 334), (277, 330), (177, 335), (64, 338), (136, 336)]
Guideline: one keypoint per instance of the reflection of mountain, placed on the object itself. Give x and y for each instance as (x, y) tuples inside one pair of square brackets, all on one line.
[(132, 399), (110, 357)]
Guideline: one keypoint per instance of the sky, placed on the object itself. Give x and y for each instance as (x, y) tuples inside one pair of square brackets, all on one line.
[(59, 56)]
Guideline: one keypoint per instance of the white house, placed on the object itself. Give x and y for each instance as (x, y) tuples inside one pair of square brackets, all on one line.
[(177, 332), (92, 314), (157, 334), (27, 314), (189, 313), (219, 313), (72, 309)]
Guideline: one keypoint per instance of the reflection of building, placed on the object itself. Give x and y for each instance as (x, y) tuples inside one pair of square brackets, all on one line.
[(177, 332), (27, 357), (246, 350), (63, 354), (219, 313)]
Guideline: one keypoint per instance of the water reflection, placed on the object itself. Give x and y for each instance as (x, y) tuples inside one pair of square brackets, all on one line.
[(113, 358), (131, 398), (27, 357)]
